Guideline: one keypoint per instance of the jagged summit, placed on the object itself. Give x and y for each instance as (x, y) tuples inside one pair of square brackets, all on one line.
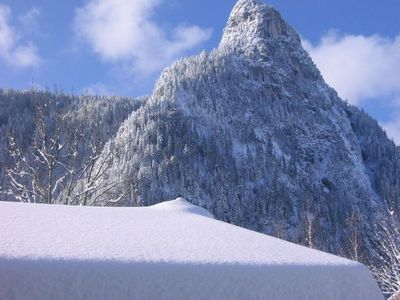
[(256, 32), (250, 26)]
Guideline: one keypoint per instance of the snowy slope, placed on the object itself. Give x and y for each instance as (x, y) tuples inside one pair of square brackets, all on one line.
[(173, 250)]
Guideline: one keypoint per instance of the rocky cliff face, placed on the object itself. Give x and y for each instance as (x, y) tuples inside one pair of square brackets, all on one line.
[(252, 132)]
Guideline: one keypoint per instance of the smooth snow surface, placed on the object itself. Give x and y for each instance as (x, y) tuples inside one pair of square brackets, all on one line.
[(173, 250)]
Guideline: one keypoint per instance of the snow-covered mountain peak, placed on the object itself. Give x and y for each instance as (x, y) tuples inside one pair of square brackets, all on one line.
[(252, 133), (251, 24), (255, 37)]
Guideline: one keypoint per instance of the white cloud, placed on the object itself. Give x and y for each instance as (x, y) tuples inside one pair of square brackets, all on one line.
[(362, 68), (359, 67), (124, 31), (97, 88), (29, 20), (12, 50), (392, 128)]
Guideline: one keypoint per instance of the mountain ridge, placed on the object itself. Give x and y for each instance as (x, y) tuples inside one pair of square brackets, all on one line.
[(260, 140)]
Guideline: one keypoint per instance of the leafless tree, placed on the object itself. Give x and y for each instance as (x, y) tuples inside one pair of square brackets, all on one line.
[(354, 243), (279, 229), (54, 170), (386, 268), (33, 177), (309, 223), (89, 186)]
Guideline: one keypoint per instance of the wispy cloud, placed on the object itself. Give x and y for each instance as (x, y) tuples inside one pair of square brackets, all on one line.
[(13, 50), (29, 20), (362, 68), (393, 128), (124, 31), (359, 67), (97, 88)]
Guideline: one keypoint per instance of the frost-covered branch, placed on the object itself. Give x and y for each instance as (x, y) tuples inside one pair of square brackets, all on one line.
[(387, 254)]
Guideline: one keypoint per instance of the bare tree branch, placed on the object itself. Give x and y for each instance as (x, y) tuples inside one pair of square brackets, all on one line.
[(387, 255)]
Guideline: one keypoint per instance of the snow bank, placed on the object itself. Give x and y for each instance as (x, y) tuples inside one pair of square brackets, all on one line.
[(173, 250)]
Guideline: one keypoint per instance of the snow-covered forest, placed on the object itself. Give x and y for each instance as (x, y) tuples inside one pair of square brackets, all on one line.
[(250, 131), (50, 142)]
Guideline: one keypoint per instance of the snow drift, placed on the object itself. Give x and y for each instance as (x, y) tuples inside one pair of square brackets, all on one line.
[(173, 250)]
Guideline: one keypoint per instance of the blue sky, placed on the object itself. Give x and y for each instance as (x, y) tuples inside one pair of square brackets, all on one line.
[(121, 46)]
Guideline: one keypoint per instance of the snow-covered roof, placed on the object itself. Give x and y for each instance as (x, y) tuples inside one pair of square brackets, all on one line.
[(173, 250)]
